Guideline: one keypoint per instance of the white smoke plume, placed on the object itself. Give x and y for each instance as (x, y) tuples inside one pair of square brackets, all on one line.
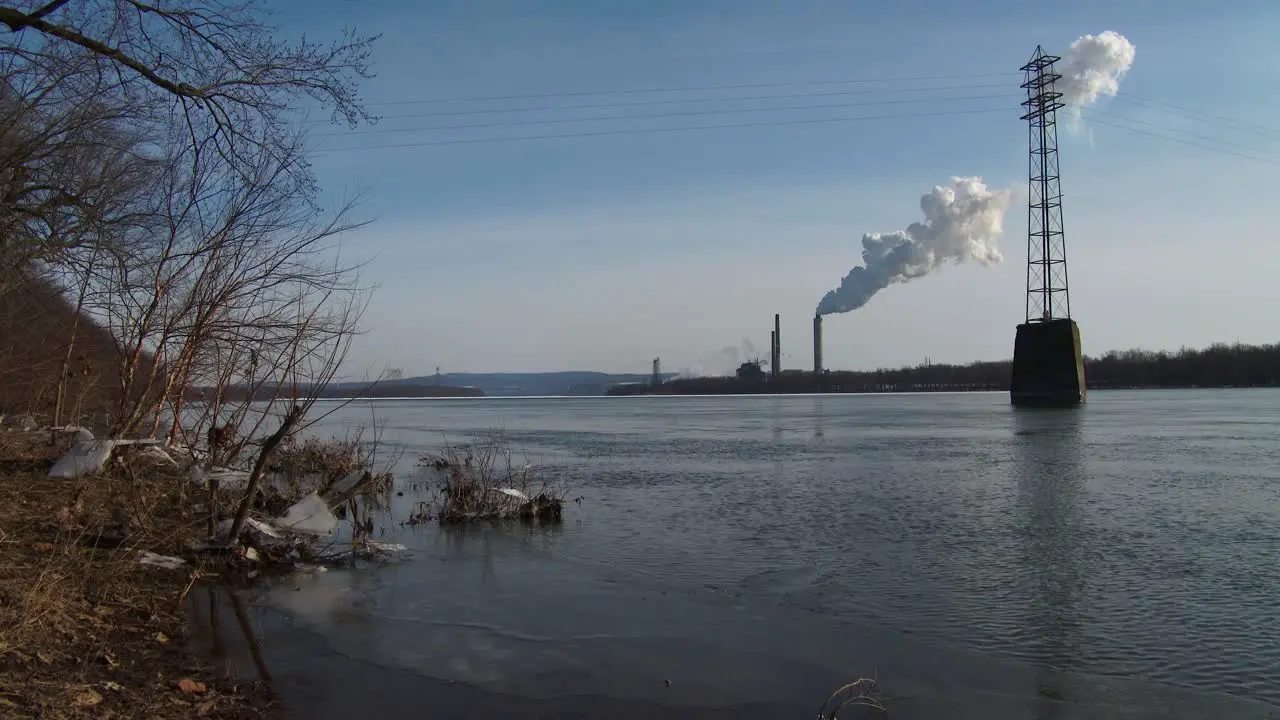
[(1093, 66), (962, 222), (720, 364)]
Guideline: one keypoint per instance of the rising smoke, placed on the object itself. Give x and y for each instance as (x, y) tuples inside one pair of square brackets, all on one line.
[(961, 222), (1093, 66), (722, 364)]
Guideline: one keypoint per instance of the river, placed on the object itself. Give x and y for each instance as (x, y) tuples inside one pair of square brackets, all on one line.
[(744, 556)]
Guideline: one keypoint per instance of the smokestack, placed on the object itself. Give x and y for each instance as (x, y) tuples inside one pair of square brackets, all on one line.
[(773, 348), (817, 344), (777, 343)]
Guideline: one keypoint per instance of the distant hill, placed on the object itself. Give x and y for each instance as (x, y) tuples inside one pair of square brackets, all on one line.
[(348, 390), (517, 384)]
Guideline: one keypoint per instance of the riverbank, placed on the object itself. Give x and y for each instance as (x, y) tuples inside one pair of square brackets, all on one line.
[(86, 630)]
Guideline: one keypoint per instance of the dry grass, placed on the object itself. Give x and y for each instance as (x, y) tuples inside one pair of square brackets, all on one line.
[(302, 466), (860, 696), (85, 630), (481, 482)]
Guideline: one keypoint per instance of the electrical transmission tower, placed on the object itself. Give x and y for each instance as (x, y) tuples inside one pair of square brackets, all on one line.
[(1047, 296)]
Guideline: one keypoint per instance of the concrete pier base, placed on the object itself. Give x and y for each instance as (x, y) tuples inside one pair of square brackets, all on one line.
[(1048, 367)]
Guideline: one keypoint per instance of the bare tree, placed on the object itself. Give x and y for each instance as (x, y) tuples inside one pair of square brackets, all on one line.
[(240, 294), (220, 63), (150, 161), (74, 160), (88, 82)]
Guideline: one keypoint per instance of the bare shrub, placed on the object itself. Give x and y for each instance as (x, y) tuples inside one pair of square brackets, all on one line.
[(316, 465), (481, 482), (861, 695)]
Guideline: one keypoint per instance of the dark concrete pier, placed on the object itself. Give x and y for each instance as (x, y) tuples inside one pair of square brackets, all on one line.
[(1048, 366)]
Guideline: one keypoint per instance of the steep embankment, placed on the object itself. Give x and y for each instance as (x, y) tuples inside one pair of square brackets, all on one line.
[(36, 322)]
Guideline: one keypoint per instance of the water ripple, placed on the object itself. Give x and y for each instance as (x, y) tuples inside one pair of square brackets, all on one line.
[(1137, 538)]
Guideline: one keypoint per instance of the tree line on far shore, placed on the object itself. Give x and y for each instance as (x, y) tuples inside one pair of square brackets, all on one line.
[(1219, 365)]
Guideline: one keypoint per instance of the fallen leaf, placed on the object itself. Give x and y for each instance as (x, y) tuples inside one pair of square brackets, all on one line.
[(113, 686), (162, 638), (189, 686), (86, 697), (42, 547)]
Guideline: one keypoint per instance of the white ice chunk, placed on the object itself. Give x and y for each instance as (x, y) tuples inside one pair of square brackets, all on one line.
[(309, 515), (81, 434), (227, 477), (345, 484), (258, 526), (163, 561), (157, 453), (84, 458)]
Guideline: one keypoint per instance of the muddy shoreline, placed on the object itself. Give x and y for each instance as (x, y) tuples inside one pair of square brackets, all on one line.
[(85, 629)]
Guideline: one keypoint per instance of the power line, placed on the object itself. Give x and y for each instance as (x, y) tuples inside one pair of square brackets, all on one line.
[(644, 131), (647, 103), (1185, 138), (686, 88), (1201, 116), (648, 116), (1172, 138), (1116, 122)]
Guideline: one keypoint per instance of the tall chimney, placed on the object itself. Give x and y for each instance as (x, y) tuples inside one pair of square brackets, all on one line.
[(777, 343), (773, 348), (817, 344)]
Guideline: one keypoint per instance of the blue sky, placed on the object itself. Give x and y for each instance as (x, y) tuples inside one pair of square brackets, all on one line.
[(601, 251)]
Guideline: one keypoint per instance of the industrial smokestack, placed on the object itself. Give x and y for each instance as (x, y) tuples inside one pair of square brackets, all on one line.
[(817, 344), (777, 343), (773, 349)]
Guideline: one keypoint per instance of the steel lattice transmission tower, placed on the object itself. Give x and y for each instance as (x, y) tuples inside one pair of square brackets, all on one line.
[(1047, 295)]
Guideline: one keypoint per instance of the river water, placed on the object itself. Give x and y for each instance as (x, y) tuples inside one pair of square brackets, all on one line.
[(744, 556)]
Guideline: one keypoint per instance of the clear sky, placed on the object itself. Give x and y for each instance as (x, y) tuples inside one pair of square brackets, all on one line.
[(617, 244)]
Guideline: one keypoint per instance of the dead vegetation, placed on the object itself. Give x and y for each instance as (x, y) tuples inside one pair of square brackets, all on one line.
[(860, 696), (314, 465), (481, 482), (159, 210), (85, 629)]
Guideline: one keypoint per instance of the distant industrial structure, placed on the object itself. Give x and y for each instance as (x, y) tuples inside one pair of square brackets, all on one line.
[(775, 352), (1048, 367), (656, 378), (817, 343)]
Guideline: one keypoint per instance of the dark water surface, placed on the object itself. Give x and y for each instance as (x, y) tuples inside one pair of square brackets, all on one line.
[(1120, 560)]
